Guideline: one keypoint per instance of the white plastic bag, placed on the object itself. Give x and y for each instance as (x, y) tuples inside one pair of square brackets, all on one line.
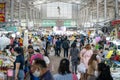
[(96, 73), (52, 49), (78, 44), (82, 68), (2, 76)]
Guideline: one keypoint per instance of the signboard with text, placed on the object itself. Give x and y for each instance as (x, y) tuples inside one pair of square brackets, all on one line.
[(69, 23), (48, 23), (2, 12)]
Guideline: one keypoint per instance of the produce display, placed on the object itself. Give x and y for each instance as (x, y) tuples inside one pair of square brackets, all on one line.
[(5, 65)]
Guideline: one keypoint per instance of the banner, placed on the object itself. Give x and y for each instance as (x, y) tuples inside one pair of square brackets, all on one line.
[(115, 22), (2, 12), (11, 28)]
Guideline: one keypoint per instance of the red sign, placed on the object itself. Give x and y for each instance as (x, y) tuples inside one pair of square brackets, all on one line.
[(115, 22), (2, 12)]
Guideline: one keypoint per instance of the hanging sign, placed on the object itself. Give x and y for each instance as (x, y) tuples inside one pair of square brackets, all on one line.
[(59, 23), (46, 23), (2, 12)]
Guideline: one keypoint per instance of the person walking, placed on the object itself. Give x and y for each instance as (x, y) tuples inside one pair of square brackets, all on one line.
[(64, 72), (74, 51), (18, 64), (104, 72), (65, 46), (57, 47), (92, 67), (85, 55), (39, 69)]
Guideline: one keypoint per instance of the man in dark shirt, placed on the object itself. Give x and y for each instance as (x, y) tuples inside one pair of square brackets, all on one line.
[(18, 64), (65, 46), (39, 69), (58, 47)]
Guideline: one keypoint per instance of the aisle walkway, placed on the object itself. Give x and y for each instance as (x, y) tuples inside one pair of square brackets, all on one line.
[(55, 62)]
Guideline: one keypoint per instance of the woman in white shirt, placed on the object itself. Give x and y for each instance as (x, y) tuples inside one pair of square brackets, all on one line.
[(45, 57)]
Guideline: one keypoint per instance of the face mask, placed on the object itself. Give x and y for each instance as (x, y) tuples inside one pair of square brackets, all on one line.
[(36, 73)]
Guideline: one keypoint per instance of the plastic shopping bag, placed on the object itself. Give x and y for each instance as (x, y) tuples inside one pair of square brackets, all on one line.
[(2, 76), (10, 73), (82, 68), (52, 49)]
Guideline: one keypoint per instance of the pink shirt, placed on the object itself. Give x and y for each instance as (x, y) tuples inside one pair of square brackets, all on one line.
[(35, 56), (54, 41), (86, 55)]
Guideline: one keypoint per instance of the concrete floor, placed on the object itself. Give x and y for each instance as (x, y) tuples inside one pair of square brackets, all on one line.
[(55, 62)]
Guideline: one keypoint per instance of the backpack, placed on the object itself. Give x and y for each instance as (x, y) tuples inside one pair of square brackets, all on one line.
[(65, 45)]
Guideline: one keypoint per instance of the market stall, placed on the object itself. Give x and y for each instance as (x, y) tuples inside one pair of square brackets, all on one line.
[(6, 66)]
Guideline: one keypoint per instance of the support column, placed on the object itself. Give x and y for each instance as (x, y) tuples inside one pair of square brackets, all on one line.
[(116, 9), (41, 10), (80, 18), (12, 12), (84, 19), (19, 13), (36, 19), (33, 14), (30, 14), (6, 11), (84, 15), (91, 18), (36, 14), (27, 20), (116, 17), (87, 16), (97, 10), (105, 9), (39, 14)]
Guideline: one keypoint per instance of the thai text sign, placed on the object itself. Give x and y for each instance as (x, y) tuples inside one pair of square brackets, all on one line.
[(2, 12)]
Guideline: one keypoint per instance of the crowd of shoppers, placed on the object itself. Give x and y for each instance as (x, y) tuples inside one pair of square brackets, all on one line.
[(33, 62)]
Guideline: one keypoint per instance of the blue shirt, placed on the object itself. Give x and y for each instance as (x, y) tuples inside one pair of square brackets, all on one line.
[(58, 44), (49, 38), (63, 77), (47, 76)]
